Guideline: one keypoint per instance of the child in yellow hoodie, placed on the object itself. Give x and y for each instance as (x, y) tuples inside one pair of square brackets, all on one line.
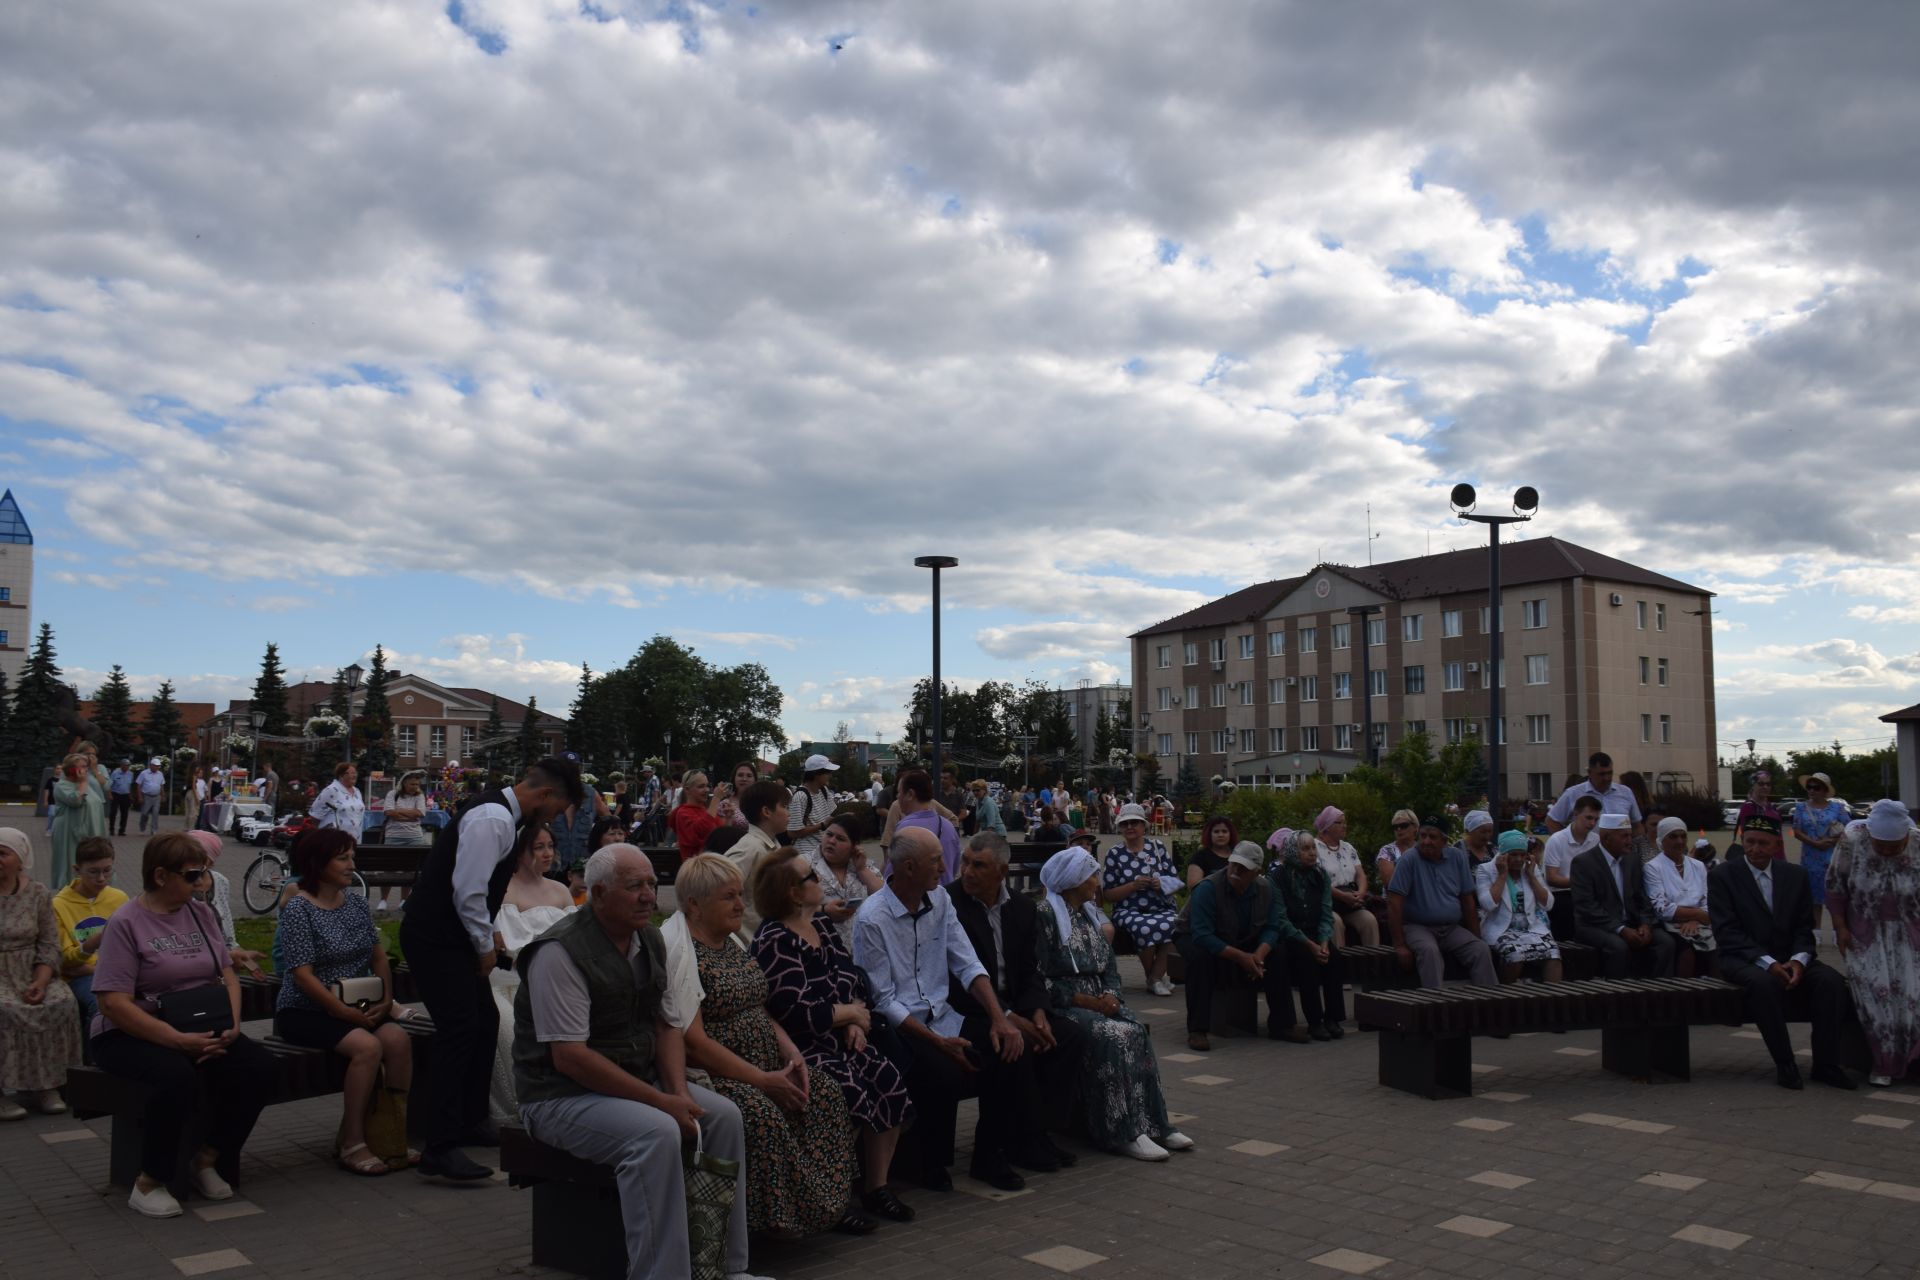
[(82, 908)]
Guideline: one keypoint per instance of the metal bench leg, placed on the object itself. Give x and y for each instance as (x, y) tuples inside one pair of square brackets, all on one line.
[(1431, 1066), (1644, 1052)]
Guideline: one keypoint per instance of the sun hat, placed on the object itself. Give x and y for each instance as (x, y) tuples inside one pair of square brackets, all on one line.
[(1130, 813), (1807, 778)]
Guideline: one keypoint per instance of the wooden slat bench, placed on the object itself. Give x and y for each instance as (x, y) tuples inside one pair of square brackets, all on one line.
[(1376, 968), (301, 1073), (577, 1225)]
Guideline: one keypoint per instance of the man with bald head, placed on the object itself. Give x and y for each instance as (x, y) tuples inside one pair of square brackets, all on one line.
[(911, 944)]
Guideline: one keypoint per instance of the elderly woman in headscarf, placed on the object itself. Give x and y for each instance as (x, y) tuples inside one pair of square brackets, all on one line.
[(1306, 930), (1677, 887), (1354, 924), (39, 1021), (1120, 1095), (1514, 899), (1873, 889), (1138, 886)]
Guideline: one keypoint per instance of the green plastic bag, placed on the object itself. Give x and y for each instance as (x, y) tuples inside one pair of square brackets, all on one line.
[(710, 1186)]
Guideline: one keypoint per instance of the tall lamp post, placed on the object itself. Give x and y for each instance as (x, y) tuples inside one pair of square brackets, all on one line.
[(936, 563), (1363, 612), (353, 674), (1526, 502)]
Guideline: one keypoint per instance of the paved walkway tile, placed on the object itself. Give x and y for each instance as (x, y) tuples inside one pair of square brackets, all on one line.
[(1064, 1257), (1621, 1122), (1483, 1124), (1484, 1068), (1712, 1237), (1500, 1095), (1895, 1191), (1183, 1057), (226, 1209), (1887, 1095), (1672, 1181), (1883, 1122), (1255, 1147), (1495, 1178), (1575, 1052), (1468, 1225), (1351, 1261), (1206, 1081), (201, 1264), (1838, 1181), (57, 1136)]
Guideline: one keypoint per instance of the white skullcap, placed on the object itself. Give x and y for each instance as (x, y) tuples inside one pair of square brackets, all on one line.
[(1479, 818), (1888, 820), (1615, 822)]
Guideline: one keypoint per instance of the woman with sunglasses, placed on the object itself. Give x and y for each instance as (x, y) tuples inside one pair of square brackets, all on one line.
[(160, 945), (1406, 832)]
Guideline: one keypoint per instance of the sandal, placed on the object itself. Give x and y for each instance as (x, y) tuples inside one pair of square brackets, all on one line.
[(368, 1165), (407, 1161)]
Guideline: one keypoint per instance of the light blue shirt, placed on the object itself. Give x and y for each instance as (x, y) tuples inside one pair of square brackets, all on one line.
[(121, 780), (1615, 799), (908, 958)]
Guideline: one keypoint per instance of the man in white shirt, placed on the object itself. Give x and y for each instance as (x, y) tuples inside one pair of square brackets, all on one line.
[(1611, 911), (340, 806), (1563, 846), (151, 784), (1599, 783)]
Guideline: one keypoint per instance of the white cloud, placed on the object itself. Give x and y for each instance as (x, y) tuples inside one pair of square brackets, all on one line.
[(742, 639)]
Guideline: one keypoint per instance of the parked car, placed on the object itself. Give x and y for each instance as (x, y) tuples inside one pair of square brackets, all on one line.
[(1860, 808), (1730, 815), (253, 830), (291, 826)]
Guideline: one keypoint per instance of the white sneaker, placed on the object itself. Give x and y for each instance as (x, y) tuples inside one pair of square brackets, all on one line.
[(50, 1103), (1142, 1148), (210, 1184), (157, 1203), (1880, 1082), (380, 908), (1164, 987), (744, 1275), (1177, 1141), (11, 1110)]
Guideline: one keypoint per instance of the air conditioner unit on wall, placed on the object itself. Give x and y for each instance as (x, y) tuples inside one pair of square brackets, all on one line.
[(1293, 680), (1472, 667), (1616, 599)]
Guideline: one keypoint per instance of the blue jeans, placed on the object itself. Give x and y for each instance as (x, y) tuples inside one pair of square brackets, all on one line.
[(82, 987)]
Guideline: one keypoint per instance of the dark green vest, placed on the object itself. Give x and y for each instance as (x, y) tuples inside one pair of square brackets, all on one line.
[(1238, 922), (620, 1025)]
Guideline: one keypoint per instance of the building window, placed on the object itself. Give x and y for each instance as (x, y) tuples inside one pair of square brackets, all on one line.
[(1222, 741), (1309, 737), (1246, 645), (1276, 740), (1659, 617), (1165, 699), (1219, 695), (1309, 639), (1540, 786), (1377, 684), (1165, 745), (6, 594), (1163, 656), (1416, 726), (1485, 629), (1276, 644), (1343, 635), (1533, 614), (1376, 631), (1193, 697), (407, 741), (1217, 649), (1247, 746), (1640, 614), (1414, 679), (1450, 623), (1276, 691), (1343, 737), (437, 741), (1539, 728), (1646, 667), (1454, 677), (1646, 728), (1190, 652), (1246, 693), (3, 637), (1342, 685), (466, 743), (1663, 672), (1666, 729), (1411, 627), (1536, 668), (1193, 744), (1309, 688), (1500, 733), (1461, 730)]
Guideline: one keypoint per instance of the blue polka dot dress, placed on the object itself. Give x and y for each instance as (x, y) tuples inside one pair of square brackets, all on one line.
[(1147, 914)]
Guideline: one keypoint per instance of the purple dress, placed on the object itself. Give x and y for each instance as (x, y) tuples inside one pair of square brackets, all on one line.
[(803, 985)]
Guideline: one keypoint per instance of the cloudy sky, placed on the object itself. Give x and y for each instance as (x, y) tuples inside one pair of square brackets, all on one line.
[(508, 333)]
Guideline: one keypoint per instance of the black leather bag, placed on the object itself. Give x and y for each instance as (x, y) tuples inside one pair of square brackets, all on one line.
[(198, 1010)]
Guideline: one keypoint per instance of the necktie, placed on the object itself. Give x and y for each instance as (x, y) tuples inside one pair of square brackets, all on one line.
[(1765, 880)]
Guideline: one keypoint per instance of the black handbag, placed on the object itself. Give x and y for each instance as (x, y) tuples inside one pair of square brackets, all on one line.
[(198, 1010)]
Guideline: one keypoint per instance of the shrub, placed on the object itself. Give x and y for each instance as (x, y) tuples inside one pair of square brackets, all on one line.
[(1258, 812), (1700, 810)]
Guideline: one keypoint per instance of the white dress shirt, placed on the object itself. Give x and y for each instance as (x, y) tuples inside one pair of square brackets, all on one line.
[(486, 839), (1764, 880), (1560, 852), (909, 957)]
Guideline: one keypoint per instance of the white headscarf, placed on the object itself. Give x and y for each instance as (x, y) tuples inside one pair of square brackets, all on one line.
[(1067, 869), (21, 843)]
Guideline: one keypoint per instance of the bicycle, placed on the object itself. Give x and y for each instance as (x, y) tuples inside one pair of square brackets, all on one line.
[(267, 879)]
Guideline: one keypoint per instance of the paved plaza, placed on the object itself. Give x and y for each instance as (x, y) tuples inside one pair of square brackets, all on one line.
[(1305, 1167)]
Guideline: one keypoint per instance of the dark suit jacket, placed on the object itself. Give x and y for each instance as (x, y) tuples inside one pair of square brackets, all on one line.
[(1017, 972), (1743, 926), (1596, 898)]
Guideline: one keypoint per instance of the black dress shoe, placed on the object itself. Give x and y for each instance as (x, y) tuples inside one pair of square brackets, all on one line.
[(1000, 1176), (1787, 1076), (453, 1164), (936, 1180), (882, 1201), (1038, 1156), (1066, 1158), (1319, 1033), (1335, 1030), (1835, 1076), (855, 1223)]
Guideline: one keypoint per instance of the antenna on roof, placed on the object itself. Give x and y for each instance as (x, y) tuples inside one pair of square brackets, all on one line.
[(1371, 535)]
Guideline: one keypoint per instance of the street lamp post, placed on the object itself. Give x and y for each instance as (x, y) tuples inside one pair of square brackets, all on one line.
[(936, 563), (1526, 501), (353, 674), (1364, 612)]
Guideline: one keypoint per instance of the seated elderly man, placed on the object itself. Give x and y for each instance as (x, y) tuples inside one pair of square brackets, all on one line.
[(1002, 926), (1228, 930), (910, 942), (1433, 910), (1611, 910), (599, 1064)]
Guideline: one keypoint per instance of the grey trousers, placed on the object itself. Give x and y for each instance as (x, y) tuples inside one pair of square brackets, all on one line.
[(150, 812), (1432, 944), (643, 1144)]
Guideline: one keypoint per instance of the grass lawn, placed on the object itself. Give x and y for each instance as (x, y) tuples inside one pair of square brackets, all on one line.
[(255, 933)]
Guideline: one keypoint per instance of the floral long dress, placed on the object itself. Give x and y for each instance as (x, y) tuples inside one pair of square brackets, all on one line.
[(80, 810), (1120, 1078), (800, 1166), (38, 1042), (804, 983), (1878, 900), (1149, 914)]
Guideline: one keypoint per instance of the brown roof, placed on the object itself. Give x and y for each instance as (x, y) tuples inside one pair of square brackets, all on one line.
[(509, 709), (1423, 577), (1905, 713)]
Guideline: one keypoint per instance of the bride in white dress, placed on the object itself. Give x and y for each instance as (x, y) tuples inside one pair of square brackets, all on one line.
[(533, 905)]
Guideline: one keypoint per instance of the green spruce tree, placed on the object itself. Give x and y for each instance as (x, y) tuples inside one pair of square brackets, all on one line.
[(376, 719), (163, 727), (531, 744), (36, 737), (270, 692), (113, 710)]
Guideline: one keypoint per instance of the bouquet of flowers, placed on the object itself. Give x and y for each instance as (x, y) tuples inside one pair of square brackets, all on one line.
[(185, 755), (240, 744), (324, 724)]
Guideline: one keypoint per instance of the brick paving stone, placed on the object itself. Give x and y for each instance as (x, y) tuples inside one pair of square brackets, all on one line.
[(1672, 1181), (1712, 1237), (1468, 1225), (1351, 1261), (1495, 1178)]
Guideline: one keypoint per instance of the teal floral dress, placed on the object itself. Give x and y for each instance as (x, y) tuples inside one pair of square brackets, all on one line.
[(1120, 1096)]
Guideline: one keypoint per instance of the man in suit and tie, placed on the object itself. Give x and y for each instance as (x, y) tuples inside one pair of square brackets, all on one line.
[(1762, 913), (1002, 927), (1611, 910)]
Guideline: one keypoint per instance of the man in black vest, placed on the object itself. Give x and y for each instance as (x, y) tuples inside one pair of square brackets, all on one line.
[(1762, 912), (447, 938), (1002, 929), (1228, 930)]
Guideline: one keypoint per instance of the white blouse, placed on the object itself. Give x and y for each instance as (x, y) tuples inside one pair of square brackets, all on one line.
[(1672, 887)]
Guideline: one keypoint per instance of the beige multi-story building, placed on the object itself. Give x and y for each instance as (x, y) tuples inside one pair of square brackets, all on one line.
[(16, 589), (1265, 686)]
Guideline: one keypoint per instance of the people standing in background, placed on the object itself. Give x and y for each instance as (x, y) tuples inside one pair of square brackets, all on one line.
[(744, 775), (1820, 821), (194, 794), (1614, 797), (339, 807), (1874, 886), (80, 812), (810, 806), (151, 785), (1759, 803), (986, 814), (407, 805), (120, 797)]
